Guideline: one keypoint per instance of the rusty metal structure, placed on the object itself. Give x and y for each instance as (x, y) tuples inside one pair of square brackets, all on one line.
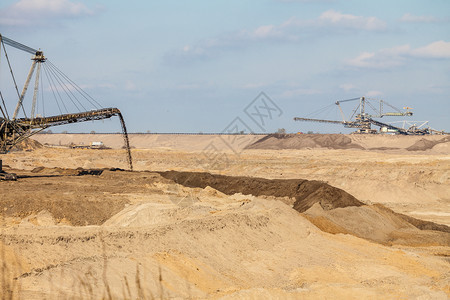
[(23, 123), (366, 112)]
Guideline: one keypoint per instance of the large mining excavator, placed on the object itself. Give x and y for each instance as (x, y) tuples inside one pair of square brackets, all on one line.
[(362, 119), (24, 123)]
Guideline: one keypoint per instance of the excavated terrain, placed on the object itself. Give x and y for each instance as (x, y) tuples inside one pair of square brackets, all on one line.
[(270, 224)]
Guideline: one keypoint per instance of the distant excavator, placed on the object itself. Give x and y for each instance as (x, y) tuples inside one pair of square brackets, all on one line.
[(15, 129), (363, 120)]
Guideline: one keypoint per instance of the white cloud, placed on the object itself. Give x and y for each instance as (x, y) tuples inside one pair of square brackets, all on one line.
[(372, 60), (36, 12), (269, 32), (334, 22), (439, 49), (374, 93), (292, 30), (397, 56), (210, 48), (361, 60), (348, 21), (418, 19)]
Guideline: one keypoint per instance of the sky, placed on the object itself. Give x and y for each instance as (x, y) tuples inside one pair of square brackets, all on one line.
[(201, 65)]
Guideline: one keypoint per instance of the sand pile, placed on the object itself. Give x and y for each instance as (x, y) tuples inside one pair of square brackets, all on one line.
[(379, 224), (353, 141), (301, 141), (27, 145), (331, 209), (150, 214), (425, 144)]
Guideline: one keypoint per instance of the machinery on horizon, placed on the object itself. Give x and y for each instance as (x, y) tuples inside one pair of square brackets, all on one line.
[(69, 97), (362, 119)]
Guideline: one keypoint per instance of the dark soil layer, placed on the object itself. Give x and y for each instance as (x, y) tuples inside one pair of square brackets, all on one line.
[(305, 192)]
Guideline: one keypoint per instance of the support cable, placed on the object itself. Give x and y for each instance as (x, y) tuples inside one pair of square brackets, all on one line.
[(354, 111), (53, 91), (4, 112), (321, 110), (79, 89), (66, 90), (374, 109), (393, 107), (4, 105)]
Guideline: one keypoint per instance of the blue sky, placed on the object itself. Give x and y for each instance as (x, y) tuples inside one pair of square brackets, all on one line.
[(191, 66)]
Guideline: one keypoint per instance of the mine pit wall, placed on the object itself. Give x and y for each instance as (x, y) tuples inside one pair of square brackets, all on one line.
[(198, 142), (190, 142)]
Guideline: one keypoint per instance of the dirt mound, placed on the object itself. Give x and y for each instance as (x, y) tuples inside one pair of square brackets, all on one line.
[(78, 213), (300, 141), (305, 193), (331, 209), (379, 224), (376, 142), (66, 195), (420, 224), (425, 144), (27, 145)]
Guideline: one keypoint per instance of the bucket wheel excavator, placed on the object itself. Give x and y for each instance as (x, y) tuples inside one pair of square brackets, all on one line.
[(366, 112), (23, 123)]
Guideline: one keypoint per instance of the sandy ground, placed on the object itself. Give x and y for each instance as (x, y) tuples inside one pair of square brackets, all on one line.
[(148, 235), (412, 182)]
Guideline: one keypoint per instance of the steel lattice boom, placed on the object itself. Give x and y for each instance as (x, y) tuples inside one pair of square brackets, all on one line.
[(19, 126)]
